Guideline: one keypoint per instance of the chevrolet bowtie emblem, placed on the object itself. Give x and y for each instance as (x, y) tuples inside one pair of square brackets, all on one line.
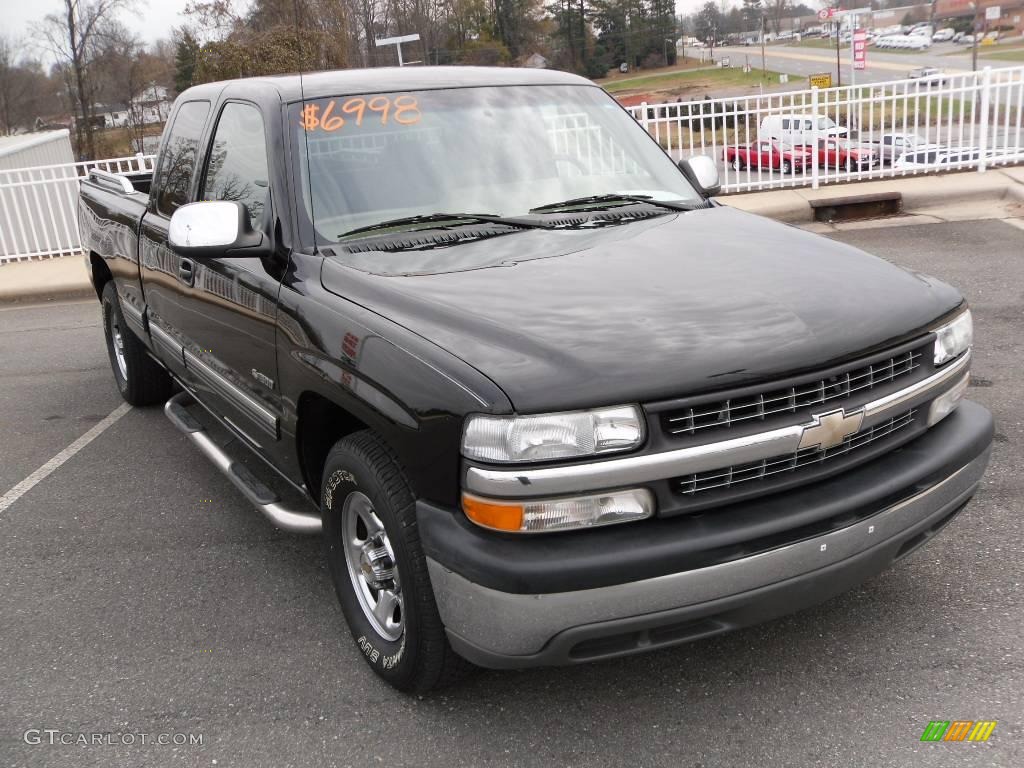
[(827, 430)]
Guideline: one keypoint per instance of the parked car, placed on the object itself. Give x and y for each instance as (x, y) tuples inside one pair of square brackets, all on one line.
[(928, 75), (936, 157), (537, 418), (891, 145), (944, 35), (771, 155), (841, 153), (904, 42), (800, 128), (966, 39)]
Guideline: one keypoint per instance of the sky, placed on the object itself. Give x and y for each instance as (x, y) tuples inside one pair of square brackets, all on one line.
[(151, 20)]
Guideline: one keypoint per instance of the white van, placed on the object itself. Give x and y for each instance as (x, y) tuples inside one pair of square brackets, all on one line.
[(800, 129)]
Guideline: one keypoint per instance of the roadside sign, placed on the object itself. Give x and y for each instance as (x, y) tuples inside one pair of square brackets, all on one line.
[(826, 13), (822, 80), (993, 13), (860, 49)]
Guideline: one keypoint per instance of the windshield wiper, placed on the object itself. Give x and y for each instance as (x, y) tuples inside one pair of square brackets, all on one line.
[(594, 201), (437, 218)]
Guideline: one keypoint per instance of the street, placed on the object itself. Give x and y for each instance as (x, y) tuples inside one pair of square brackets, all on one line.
[(140, 593), (881, 65)]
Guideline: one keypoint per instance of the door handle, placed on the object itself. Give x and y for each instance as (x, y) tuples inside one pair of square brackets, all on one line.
[(186, 271)]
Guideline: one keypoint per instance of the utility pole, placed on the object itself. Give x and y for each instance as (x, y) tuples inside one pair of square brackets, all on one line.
[(974, 38), (764, 64), (839, 73), (853, 64)]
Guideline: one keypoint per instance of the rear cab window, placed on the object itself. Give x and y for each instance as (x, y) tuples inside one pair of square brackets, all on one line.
[(178, 160)]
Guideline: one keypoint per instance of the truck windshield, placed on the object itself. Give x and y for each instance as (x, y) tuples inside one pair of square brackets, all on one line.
[(501, 151)]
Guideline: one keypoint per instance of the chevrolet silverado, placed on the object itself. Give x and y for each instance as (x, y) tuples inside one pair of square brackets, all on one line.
[(545, 399)]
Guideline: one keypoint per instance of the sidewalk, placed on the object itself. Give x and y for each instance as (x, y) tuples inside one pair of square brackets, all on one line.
[(45, 279), (966, 195), (995, 194)]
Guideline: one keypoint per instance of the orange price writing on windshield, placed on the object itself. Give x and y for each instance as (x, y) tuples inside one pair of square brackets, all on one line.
[(330, 117)]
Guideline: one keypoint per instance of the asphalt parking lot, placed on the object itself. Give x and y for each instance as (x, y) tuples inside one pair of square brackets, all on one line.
[(140, 594)]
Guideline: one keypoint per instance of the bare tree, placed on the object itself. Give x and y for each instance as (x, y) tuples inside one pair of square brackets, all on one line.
[(124, 72), (74, 37), (24, 88)]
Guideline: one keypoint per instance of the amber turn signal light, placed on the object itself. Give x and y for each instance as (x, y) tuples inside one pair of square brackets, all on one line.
[(493, 514)]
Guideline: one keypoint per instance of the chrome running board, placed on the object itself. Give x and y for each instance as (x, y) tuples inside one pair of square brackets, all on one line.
[(257, 493)]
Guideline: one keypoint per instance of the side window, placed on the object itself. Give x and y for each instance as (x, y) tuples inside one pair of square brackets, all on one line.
[(888, 140), (808, 125), (237, 168), (178, 163), (785, 124)]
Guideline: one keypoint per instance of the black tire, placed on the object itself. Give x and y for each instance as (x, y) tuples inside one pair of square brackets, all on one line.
[(143, 381), (362, 466), (737, 164), (786, 167)]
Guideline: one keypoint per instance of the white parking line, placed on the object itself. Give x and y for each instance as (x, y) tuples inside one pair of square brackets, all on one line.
[(49, 467)]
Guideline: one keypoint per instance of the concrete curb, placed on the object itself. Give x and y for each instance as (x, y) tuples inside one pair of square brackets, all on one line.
[(25, 282), (793, 206)]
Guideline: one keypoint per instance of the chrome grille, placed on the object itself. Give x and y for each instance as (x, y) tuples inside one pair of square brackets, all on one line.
[(761, 405), (728, 477)]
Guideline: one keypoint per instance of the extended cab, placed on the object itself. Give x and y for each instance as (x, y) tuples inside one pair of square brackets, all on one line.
[(545, 398)]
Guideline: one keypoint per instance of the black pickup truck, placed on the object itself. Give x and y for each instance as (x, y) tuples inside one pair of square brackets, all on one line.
[(547, 400)]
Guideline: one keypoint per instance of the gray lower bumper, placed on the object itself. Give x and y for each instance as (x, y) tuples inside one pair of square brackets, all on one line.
[(499, 629)]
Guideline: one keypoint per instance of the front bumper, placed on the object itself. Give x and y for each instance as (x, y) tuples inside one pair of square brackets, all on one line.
[(572, 604)]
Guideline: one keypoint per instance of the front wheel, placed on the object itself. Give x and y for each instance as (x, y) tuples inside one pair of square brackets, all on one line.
[(378, 567), (139, 378), (786, 167), (736, 164)]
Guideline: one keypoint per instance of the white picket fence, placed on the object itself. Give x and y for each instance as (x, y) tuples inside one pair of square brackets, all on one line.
[(39, 206), (967, 120)]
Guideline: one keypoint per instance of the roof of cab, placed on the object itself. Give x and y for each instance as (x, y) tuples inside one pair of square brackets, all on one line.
[(346, 82)]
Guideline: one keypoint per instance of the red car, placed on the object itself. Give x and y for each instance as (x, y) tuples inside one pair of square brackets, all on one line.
[(773, 155), (838, 153)]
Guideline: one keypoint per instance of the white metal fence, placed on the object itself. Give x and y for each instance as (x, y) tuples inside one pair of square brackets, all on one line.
[(951, 121), (954, 121), (39, 206)]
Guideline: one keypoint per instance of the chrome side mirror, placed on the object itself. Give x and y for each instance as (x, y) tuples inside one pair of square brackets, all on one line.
[(702, 173), (214, 228)]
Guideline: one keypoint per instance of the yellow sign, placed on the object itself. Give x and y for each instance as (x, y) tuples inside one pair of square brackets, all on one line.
[(824, 80)]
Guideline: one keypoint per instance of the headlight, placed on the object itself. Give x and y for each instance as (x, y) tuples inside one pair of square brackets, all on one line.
[(508, 439), (954, 338), (540, 515)]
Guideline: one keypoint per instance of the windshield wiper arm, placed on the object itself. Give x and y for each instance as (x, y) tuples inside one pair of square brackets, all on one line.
[(435, 218), (595, 200)]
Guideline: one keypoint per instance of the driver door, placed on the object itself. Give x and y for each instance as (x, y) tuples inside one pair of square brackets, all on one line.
[(230, 324)]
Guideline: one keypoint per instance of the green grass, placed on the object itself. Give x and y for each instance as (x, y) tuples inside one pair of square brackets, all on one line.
[(712, 76), (1010, 54)]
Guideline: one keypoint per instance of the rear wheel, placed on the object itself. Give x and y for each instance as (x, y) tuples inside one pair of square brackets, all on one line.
[(139, 378), (736, 164), (379, 569)]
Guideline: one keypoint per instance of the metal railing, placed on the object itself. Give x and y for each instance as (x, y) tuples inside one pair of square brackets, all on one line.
[(969, 120), (39, 206)]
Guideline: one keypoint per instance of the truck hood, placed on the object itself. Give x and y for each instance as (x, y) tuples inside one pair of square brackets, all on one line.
[(669, 306)]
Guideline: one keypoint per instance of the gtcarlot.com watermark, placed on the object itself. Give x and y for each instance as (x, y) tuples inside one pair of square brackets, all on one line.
[(55, 736)]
